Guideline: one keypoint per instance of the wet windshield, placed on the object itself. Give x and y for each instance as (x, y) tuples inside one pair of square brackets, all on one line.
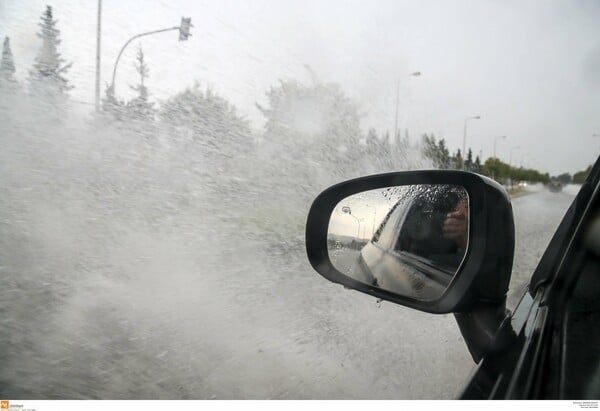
[(158, 160)]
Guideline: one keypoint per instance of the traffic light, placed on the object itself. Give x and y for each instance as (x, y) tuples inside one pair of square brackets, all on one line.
[(184, 28)]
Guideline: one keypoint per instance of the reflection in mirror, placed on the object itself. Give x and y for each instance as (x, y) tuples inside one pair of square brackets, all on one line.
[(409, 240)]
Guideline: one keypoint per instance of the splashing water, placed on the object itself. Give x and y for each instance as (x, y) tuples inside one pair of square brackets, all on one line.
[(146, 260)]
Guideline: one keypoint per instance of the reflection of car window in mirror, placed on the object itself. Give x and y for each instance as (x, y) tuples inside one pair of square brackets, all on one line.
[(410, 240)]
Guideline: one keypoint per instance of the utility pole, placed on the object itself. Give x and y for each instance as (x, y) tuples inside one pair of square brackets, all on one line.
[(510, 164), (415, 74), (464, 155), (98, 33)]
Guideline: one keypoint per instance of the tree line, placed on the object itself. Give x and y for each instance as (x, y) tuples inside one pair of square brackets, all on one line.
[(438, 152), (297, 116)]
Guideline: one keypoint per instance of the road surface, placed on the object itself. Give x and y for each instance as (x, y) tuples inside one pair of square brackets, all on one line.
[(238, 319)]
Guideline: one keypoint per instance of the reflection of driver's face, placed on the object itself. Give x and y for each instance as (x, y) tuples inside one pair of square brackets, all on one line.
[(456, 224)]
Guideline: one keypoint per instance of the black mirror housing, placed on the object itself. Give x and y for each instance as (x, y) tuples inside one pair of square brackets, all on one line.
[(484, 274)]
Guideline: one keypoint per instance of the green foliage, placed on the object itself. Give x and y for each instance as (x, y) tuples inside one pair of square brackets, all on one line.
[(457, 160), (503, 172), (580, 176), (436, 151), (477, 167), (564, 178), (469, 161)]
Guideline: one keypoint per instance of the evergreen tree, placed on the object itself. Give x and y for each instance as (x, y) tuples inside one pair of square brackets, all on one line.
[(436, 151), (47, 75), (443, 155), (7, 65), (477, 165), (110, 104), (469, 160), (429, 146), (140, 108), (457, 160), (11, 102)]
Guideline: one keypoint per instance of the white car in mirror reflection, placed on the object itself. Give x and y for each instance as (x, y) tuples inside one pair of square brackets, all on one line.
[(416, 250)]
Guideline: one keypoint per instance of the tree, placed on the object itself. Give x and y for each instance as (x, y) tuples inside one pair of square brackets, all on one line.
[(312, 138), (437, 152), (496, 169), (564, 178), (46, 78), (209, 120), (12, 103), (110, 104), (580, 176), (443, 154), (477, 168), (378, 151), (429, 147), (140, 108), (319, 123), (500, 171), (7, 66), (457, 160), (469, 160)]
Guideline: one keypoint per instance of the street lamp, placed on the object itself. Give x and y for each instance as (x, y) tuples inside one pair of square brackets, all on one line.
[(98, 32), (184, 33), (348, 211), (510, 164), (465, 138), (415, 74), (495, 139), (374, 218)]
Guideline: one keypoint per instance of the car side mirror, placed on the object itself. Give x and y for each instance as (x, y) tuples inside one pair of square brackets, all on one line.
[(436, 241)]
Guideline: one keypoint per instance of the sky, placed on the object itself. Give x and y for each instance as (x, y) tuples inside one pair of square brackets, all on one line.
[(529, 69), (368, 214)]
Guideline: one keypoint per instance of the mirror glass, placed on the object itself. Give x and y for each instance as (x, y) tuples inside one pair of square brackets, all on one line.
[(409, 240)]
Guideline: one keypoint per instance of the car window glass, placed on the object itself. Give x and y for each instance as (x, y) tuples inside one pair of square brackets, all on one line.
[(158, 160)]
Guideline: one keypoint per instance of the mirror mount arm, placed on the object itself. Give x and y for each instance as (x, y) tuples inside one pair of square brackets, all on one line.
[(487, 329)]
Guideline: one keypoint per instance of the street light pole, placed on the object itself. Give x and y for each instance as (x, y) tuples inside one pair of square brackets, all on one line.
[(415, 74), (348, 211), (183, 35), (465, 138), (510, 164), (98, 32)]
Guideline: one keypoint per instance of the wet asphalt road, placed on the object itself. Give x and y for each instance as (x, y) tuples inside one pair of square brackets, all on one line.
[(537, 215), (263, 325)]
